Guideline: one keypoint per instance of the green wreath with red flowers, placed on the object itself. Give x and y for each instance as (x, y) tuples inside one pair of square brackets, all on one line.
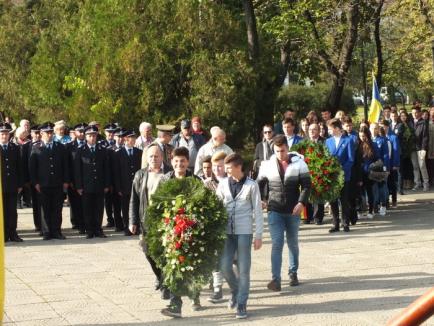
[(186, 230), (325, 170)]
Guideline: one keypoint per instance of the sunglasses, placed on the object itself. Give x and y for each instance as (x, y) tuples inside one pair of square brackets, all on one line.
[(267, 132)]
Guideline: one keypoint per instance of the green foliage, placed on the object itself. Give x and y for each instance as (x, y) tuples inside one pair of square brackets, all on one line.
[(303, 99), (326, 172), (186, 230)]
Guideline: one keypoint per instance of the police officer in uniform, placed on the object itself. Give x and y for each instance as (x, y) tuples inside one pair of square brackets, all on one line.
[(36, 203), (112, 200), (49, 173), (109, 130), (76, 207), (128, 160), (12, 182), (92, 181)]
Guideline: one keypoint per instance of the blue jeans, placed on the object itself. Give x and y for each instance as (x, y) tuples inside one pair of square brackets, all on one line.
[(278, 223), (242, 245)]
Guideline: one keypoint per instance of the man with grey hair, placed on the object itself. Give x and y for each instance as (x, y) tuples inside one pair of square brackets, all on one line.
[(145, 138), (164, 136), (214, 145)]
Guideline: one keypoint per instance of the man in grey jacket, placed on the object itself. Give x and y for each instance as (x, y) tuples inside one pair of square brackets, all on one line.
[(145, 183), (288, 180)]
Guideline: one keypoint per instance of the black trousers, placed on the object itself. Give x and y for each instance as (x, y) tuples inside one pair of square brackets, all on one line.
[(93, 212), (36, 207), (10, 214), (317, 216), (392, 182), (52, 203), (157, 272), (346, 211), (113, 208), (125, 205), (76, 209), (25, 195)]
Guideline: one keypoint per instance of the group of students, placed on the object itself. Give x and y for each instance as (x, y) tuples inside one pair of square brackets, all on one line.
[(380, 160)]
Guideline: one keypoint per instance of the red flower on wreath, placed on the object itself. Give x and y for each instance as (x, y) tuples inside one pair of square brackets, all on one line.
[(181, 259), (178, 244), (167, 220), (181, 210)]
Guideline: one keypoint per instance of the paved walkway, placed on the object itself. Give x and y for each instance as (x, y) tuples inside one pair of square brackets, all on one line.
[(361, 278)]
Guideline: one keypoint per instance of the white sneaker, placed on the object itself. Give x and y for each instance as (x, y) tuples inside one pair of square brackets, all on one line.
[(416, 187), (369, 216), (382, 210)]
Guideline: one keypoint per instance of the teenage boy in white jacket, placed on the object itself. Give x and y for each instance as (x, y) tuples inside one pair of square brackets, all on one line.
[(242, 200)]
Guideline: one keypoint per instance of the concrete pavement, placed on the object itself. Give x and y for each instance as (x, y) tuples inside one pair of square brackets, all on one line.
[(359, 278)]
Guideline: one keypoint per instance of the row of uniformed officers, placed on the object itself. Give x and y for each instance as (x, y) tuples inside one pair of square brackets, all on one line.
[(93, 172)]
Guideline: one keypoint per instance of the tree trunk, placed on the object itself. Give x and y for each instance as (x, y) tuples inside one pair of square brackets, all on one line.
[(378, 44), (252, 32), (340, 69)]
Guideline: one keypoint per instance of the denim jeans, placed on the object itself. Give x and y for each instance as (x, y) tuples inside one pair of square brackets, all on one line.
[(278, 223), (242, 245)]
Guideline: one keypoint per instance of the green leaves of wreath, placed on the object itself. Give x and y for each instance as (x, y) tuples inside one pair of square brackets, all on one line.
[(325, 170), (186, 229)]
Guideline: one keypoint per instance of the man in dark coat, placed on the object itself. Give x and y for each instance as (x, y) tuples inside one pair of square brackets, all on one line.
[(92, 181), (76, 205), (12, 182), (144, 185), (36, 202), (264, 149), (49, 173), (112, 200), (128, 161)]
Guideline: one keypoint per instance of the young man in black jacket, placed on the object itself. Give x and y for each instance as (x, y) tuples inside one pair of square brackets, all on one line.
[(418, 156)]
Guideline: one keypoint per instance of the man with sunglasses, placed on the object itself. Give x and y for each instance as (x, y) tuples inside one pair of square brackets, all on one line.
[(264, 149)]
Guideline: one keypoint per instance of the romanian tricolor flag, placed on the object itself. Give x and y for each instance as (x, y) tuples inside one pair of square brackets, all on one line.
[(2, 244), (376, 107)]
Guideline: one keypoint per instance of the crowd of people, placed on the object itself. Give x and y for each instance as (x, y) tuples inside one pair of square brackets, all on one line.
[(46, 166)]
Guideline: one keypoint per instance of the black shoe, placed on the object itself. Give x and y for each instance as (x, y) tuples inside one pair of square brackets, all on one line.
[(75, 227), (293, 279), (82, 231), (15, 238), (216, 296), (59, 236), (127, 233), (172, 311), (346, 229), (100, 235), (306, 221), (37, 229), (334, 229), (46, 237), (89, 236), (40, 233), (117, 229), (110, 225), (274, 286), (165, 293), (6, 239)]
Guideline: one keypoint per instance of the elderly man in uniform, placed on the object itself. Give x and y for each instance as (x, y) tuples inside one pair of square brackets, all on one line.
[(92, 180), (216, 144), (49, 173), (127, 162), (11, 173), (164, 137), (76, 207)]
